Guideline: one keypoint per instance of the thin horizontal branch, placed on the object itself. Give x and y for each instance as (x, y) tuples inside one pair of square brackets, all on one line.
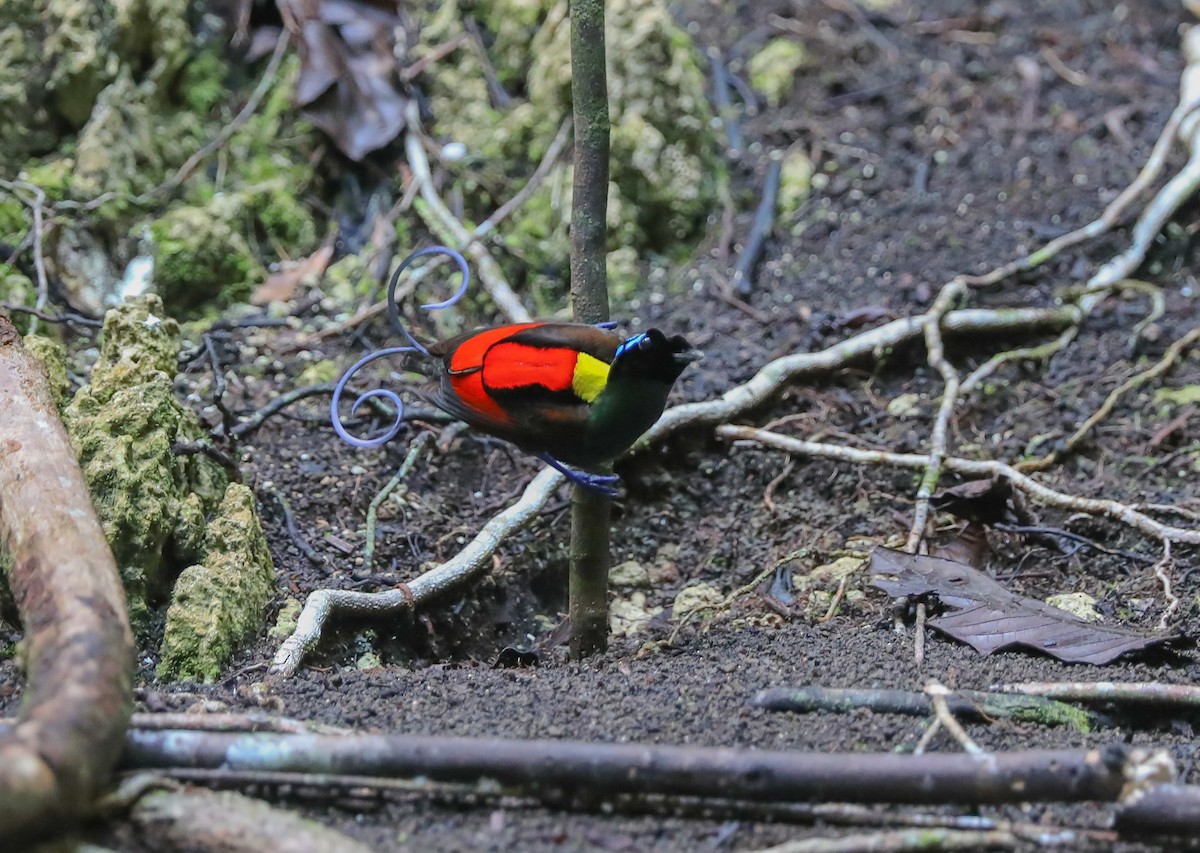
[(611, 769), (1121, 693), (468, 564), (978, 468), (775, 374)]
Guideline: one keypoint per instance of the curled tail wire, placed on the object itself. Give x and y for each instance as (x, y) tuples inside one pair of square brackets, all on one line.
[(414, 346)]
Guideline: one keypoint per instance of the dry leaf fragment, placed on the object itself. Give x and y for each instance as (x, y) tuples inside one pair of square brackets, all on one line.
[(988, 617), (282, 284)]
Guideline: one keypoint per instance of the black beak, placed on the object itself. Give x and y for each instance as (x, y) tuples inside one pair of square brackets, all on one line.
[(686, 357)]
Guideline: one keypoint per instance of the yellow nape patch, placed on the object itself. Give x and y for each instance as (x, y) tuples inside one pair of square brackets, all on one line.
[(591, 375)]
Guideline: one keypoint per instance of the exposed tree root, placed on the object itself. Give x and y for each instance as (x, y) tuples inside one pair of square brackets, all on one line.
[(1115, 510), (56, 759)]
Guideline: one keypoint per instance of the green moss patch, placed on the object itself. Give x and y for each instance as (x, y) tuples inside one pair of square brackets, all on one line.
[(219, 604), (150, 500)]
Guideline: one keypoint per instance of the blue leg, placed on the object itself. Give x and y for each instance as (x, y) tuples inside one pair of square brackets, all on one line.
[(602, 483), (608, 324)]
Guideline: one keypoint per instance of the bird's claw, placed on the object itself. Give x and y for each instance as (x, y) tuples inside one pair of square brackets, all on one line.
[(601, 483)]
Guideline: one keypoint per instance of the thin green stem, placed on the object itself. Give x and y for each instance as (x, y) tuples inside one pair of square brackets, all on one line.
[(590, 512)]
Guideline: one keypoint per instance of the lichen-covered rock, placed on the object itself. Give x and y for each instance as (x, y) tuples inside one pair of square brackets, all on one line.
[(201, 257), (218, 604), (57, 56), (23, 89), (53, 356), (150, 500), (15, 287), (795, 183), (664, 158), (666, 174), (773, 69)]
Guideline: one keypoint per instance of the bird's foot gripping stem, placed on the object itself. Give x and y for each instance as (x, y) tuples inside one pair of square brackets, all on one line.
[(601, 483)]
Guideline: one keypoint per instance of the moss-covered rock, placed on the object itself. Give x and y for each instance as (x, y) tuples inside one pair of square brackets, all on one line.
[(23, 91), (201, 257), (17, 289), (58, 56), (53, 356), (217, 605), (666, 173), (795, 183), (773, 69), (151, 501)]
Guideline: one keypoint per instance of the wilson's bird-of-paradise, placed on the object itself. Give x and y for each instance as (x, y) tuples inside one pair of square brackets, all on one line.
[(571, 394)]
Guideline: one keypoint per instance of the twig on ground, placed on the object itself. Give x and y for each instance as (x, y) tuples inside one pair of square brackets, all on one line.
[(937, 693), (414, 450), (412, 72), (836, 601), (725, 604), (775, 374), (553, 152), (254, 721), (1160, 572), (1135, 693), (724, 103), (260, 91), (1174, 194), (950, 293), (1040, 352), (1158, 307), (921, 617), (64, 317), (768, 498), (1161, 811), (606, 769), (1112, 213), (206, 448), (199, 819), (934, 726), (37, 206), (468, 564), (1039, 530), (499, 97), (1115, 510), (902, 840), (444, 224), (289, 521), (973, 704), (1170, 357), (228, 420), (764, 222)]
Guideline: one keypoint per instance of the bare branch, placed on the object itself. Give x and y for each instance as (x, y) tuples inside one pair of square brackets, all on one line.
[(574, 767), (464, 567), (1092, 506)]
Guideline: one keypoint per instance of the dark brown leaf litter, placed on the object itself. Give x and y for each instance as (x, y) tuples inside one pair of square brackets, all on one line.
[(933, 164), (989, 618)]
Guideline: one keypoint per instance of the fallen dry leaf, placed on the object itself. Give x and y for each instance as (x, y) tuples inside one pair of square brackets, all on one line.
[(282, 284), (988, 617), (349, 84)]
